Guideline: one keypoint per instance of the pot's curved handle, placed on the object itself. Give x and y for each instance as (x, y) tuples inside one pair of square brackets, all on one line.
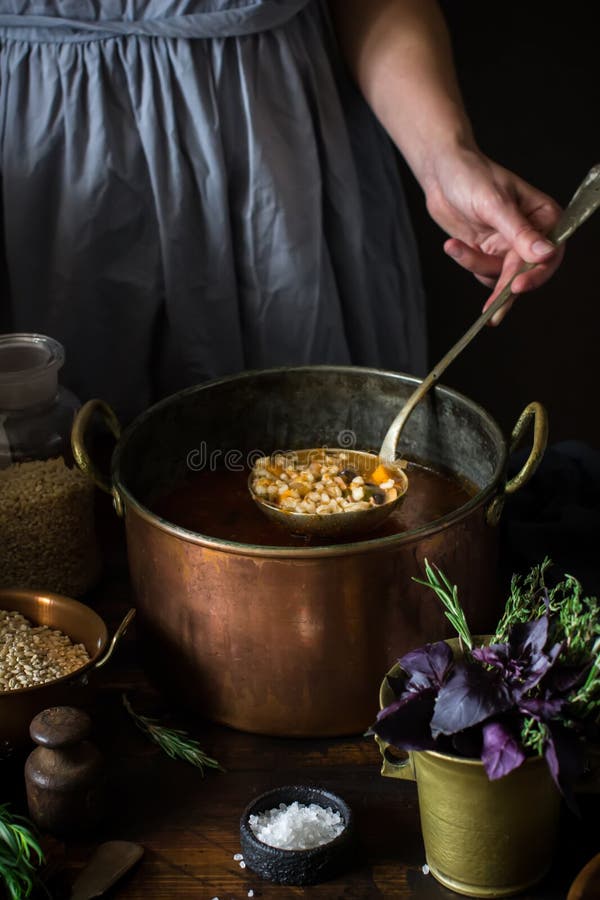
[(80, 453), (396, 766), (537, 414), (119, 633)]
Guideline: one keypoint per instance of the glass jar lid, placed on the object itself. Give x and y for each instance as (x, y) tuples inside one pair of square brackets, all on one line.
[(29, 366)]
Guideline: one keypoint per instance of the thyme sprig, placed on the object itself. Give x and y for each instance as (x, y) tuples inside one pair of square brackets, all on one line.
[(534, 735), (448, 594), (576, 620), (576, 616), (175, 742), (525, 601), (20, 854)]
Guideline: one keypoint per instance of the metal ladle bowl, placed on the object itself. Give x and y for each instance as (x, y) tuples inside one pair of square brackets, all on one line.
[(335, 525), (350, 524)]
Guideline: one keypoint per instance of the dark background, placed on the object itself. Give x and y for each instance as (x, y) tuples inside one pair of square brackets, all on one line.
[(531, 82)]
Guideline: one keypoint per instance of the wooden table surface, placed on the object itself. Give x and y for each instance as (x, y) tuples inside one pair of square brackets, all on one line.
[(189, 825)]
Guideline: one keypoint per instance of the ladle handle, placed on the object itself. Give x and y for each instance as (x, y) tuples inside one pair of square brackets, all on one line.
[(584, 202)]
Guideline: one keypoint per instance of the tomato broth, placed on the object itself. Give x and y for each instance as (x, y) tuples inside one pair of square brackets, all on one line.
[(218, 504)]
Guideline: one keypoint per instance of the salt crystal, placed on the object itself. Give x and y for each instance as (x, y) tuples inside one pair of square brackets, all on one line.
[(238, 856), (297, 826), (251, 893), (242, 865), (425, 869)]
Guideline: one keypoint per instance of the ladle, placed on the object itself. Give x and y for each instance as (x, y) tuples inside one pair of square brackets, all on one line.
[(346, 524)]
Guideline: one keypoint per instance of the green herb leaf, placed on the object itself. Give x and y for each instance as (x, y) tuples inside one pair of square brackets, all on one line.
[(20, 854), (173, 741)]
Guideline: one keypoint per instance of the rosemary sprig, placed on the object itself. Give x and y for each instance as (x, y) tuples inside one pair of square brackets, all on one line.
[(20, 854), (175, 742), (448, 594)]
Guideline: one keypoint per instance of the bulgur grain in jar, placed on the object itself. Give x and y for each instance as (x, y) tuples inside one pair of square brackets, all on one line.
[(47, 534)]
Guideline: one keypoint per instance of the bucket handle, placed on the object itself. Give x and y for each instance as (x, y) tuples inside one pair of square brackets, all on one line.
[(537, 414), (398, 765), (80, 453)]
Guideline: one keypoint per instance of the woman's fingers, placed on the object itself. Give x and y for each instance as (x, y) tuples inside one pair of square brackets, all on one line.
[(487, 268), (537, 276), (533, 278), (482, 265), (502, 313), (522, 216)]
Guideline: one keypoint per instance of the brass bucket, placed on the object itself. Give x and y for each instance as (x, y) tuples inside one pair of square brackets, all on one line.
[(482, 838)]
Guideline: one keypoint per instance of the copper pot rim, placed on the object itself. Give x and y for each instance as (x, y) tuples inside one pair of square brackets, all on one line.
[(36, 595), (329, 550)]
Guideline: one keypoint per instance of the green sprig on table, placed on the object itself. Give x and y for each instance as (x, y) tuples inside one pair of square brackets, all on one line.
[(175, 742), (20, 854)]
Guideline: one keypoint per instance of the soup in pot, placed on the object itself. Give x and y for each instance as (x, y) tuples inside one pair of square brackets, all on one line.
[(218, 504)]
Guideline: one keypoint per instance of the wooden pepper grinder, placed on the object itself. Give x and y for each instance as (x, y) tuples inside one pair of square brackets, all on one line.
[(64, 774)]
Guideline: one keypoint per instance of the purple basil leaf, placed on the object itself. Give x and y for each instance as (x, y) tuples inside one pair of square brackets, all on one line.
[(470, 696), (406, 723), (529, 637), (534, 672), (541, 708), (551, 758), (427, 667), (562, 679), (538, 667), (563, 752), (501, 752), (397, 684), (496, 655)]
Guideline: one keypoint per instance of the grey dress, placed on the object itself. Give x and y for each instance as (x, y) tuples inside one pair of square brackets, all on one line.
[(193, 188)]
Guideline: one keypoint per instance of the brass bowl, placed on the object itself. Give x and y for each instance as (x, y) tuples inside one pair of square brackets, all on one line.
[(83, 626)]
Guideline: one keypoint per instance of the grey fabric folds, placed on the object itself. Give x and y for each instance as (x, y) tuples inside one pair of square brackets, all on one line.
[(195, 188)]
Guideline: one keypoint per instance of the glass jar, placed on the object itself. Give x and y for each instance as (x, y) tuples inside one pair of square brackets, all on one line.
[(47, 535)]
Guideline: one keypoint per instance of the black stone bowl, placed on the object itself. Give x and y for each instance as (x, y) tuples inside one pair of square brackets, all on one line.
[(297, 866)]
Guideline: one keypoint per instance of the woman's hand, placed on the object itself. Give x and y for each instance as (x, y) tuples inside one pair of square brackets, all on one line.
[(400, 53), (496, 221)]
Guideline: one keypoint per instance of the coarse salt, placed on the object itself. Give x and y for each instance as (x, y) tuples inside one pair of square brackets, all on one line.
[(297, 826), (242, 864), (251, 893), (238, 856), (425, 869)]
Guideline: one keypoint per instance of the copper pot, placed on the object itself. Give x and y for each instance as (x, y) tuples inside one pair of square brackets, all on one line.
[(294, 641), (83, 626)]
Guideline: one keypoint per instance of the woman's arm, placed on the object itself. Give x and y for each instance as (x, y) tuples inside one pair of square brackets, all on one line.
[(400, 54), (401, 57)]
